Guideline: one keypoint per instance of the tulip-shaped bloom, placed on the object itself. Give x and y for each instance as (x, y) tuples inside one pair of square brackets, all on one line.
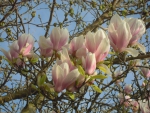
[(59, 37), (119, 33), (63, 77), (64, 57), (77, 47), (97, 43), (89, 63), (77, 85), (22, 46), (146, 72), (137, 29), (45, 48), (25, 43), (128, 89), (12, 55)]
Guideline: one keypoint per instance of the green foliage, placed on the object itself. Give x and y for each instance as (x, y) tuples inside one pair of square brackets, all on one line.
[(98, 77), (96, 88), (81, 70), (41, 79)]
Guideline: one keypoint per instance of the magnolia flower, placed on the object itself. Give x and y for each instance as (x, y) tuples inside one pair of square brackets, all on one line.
[(64, 57), (89, 63), (128, 89), (59, 38), (77, 47), (146, 72), (23, 46), (120, 35), (63, 77), (137, 29), (45, 46), (25, 43), (78, 84), (97, 43)]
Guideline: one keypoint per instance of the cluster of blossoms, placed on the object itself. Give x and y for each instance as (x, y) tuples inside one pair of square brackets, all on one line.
[(125, 33), (20, 49), (85, 51)]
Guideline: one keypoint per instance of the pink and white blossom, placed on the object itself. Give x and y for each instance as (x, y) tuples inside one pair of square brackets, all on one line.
[(77, 47), (64, 57), (45, 46), (23, 46), (63, 77), (59, 38), (25, 43), (137, 29), (89, 63), (97, 43), (120, 35)]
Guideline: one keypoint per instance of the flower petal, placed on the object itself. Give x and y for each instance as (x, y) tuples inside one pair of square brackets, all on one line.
[(132, 51), (142, 47), (7, 54), (70, 78)]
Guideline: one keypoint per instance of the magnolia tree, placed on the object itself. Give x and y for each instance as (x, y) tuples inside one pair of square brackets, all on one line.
[(87, 56)]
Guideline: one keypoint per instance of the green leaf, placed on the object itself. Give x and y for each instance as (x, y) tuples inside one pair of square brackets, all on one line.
[(34, 87), (41, 79), (34, 60), (23, 72), (112, 53), (104, 69), (81, 70), (71, 95), (49, 87), (97, 89), (98, 77)]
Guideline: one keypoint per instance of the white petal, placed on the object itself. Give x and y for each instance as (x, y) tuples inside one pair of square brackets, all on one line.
[(71, 78), (43, 42), (132, 51), (142, 47), (106, 68)]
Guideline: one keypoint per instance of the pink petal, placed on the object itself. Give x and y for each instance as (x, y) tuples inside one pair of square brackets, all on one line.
[(70, 78), (7, 54), (124, 36), (116, 20), (81, 52), (102, 50), (90, 42)]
